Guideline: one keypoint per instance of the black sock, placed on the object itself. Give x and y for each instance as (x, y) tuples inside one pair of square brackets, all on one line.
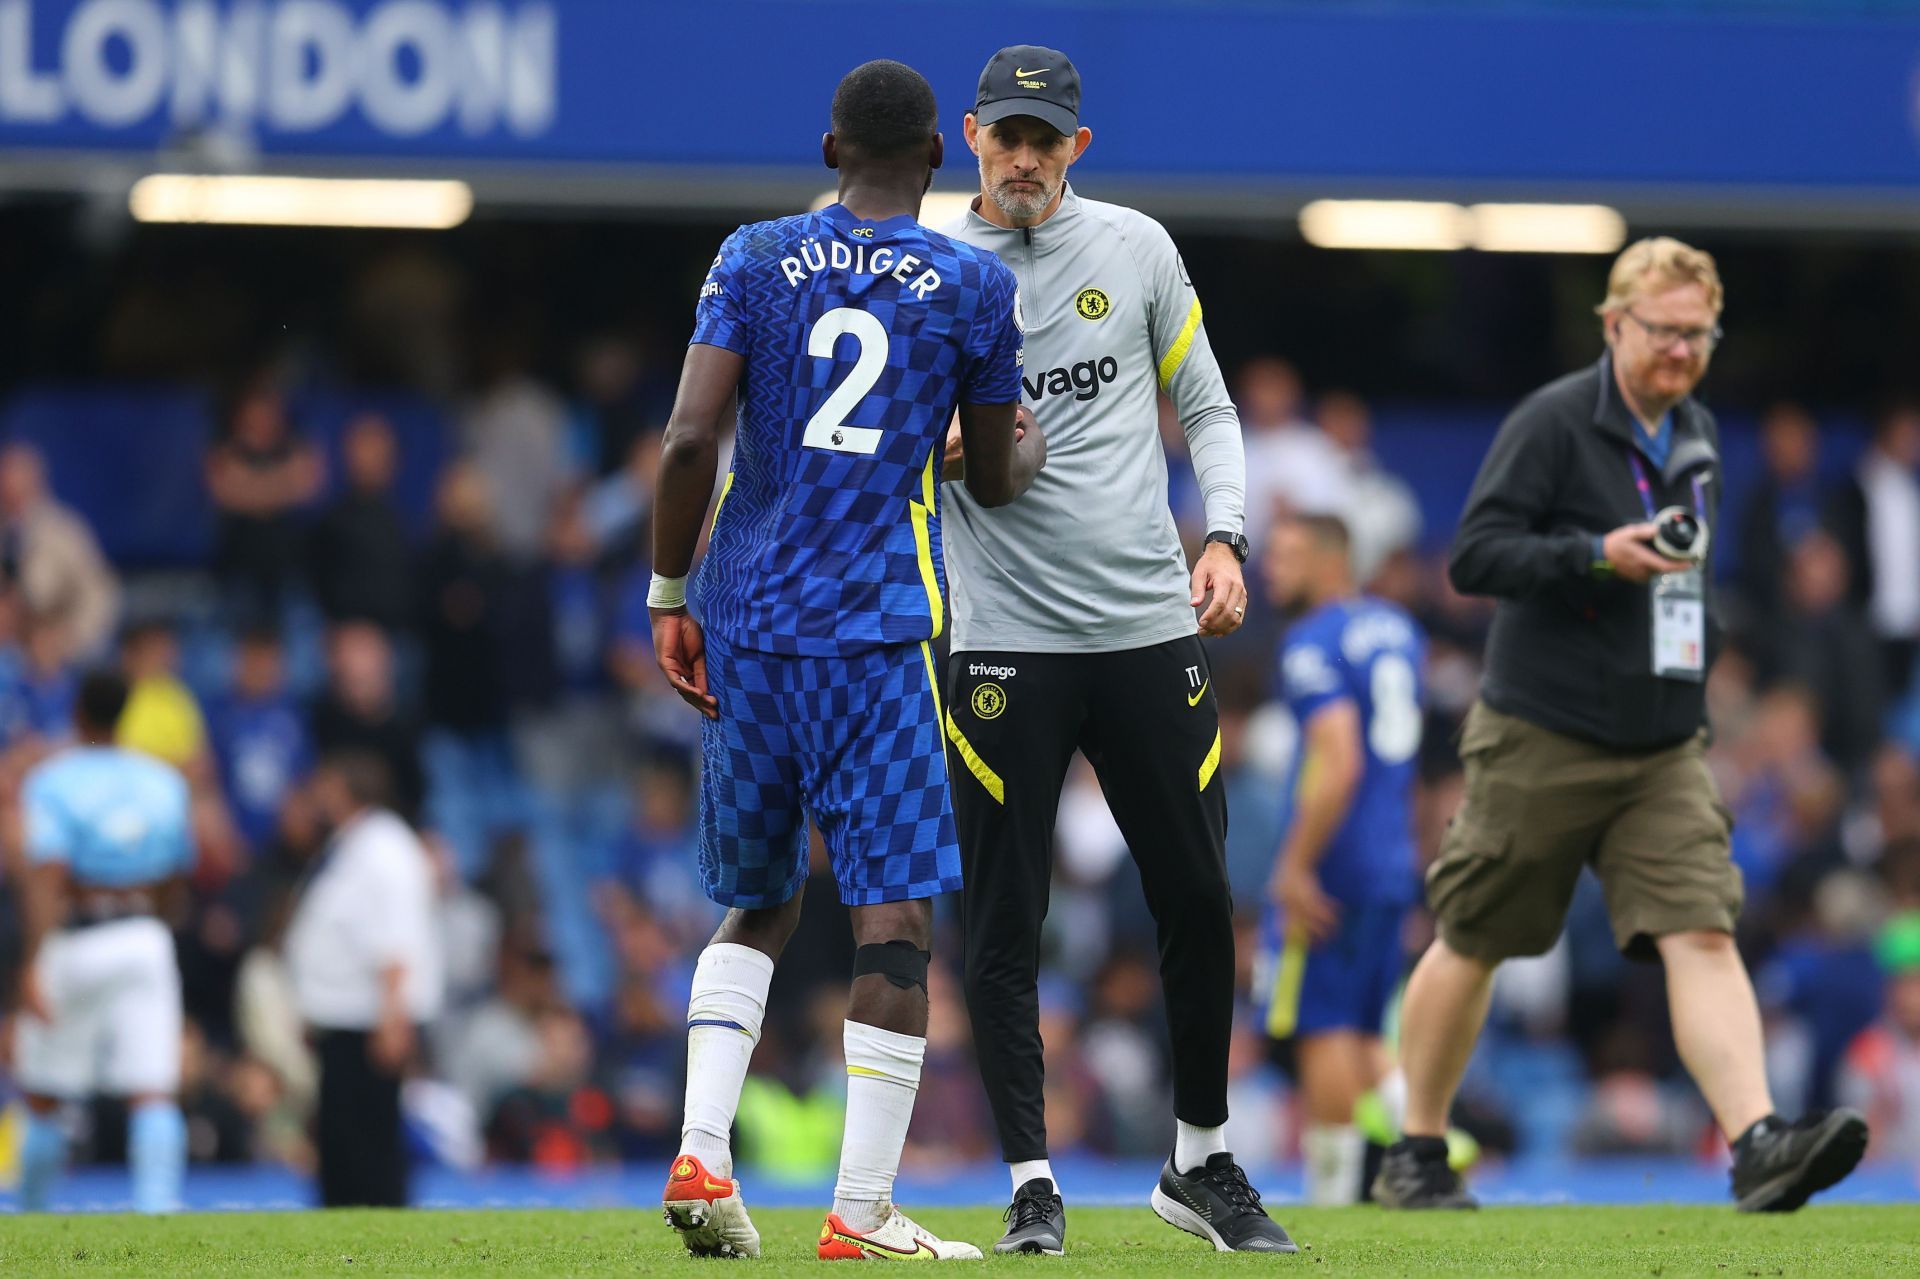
[(1423, 1147)]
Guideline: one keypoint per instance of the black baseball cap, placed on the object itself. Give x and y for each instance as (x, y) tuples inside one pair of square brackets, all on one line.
[(1030, 79)]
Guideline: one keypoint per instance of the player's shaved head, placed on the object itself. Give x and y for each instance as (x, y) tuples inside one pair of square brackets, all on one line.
[(1328, 531), (885, 110)]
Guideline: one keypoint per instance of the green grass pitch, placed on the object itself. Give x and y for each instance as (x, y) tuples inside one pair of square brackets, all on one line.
[(1640, 1241)]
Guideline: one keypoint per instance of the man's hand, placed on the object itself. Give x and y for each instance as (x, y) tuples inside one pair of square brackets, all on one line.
[(1629, 552), (681, 650), (390, 1046), (32, 998), (1296, 891), (1218, 572), (953, 465)]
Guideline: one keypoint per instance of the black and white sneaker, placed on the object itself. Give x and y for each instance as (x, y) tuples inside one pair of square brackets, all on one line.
[(1036, 1221), (1217, 1203), (1778, 1166), (1415, 1174)]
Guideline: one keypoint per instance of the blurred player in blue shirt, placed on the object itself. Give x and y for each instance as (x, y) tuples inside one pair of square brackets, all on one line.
[(1350, 671), (849, 338), (107, 835)]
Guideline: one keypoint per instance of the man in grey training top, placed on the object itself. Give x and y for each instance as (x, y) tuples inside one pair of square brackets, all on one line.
[(1074, 626)]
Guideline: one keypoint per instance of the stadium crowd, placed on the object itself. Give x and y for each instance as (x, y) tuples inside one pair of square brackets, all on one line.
[(500, 666)]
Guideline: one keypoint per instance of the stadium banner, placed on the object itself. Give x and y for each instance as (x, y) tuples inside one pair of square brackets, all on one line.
[(1649, 99)]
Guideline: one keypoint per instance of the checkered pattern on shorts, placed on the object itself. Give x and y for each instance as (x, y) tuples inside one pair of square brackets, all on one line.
[(855, 741)]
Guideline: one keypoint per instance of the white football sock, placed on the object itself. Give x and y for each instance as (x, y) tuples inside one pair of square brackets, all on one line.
[(1029, 1169), (724, 1012), (883, 1077), (1335, 1155), (1393, 1094), (1192, 1144)]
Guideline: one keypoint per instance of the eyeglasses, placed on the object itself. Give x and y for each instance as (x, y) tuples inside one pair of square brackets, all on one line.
[(1663, 336)]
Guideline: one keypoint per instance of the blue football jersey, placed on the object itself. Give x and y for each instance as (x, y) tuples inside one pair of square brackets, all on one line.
[(116, 817), (1370, 653), (860, 338)]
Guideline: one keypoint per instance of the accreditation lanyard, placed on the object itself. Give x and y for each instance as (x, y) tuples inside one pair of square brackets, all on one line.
[(1641, 482), (1679, 613)]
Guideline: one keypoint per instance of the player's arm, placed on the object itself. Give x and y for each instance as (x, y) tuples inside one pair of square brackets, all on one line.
[(689, 459), (1002, 450), (1329, 778), (43, 908), (1189, 375), (953, 466), (1001, 445)]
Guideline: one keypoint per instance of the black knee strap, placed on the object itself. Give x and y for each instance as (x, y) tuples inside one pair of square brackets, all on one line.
[(901, 962)]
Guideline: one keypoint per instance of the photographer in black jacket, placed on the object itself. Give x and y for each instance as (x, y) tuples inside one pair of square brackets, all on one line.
[(1591, 522)]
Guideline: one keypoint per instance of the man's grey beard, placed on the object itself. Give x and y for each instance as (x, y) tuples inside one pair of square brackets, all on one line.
[(1018, 205)]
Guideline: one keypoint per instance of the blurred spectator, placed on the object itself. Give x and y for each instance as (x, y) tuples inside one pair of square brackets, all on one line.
[(162, 717), (643, 1059), (1878, 521), (1783, 506), (469, 759), (362, 559), (361, 712), (1821, 643), (619, 509), (364, 957), (260, 474), (1127, 1051), (1824, 974), (515, 432), (496, 1047), (49, 558), (1631, 1110), (655, 859), (267, 1014), (1882, 1073), (560, 1119), (1382, 515), (260, 738), (1290, 464), (1781, 789), (623, 398), (37, 684), (218, 1130)]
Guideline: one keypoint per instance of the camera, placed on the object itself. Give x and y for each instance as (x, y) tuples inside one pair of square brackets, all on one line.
[(1679, 534)]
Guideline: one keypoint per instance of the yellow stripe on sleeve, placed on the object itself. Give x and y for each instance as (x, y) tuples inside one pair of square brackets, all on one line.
[(921, 512), (721, 505), (1177, 353), (1211, 764), (1283, 1010)]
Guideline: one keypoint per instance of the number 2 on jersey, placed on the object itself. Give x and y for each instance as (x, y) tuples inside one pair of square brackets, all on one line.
[(827, 428)]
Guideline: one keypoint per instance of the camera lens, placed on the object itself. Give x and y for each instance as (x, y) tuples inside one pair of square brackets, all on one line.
[(1679, 535), (1679, 531)]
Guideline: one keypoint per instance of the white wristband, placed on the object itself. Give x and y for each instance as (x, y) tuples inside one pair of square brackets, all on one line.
[(667, 592)]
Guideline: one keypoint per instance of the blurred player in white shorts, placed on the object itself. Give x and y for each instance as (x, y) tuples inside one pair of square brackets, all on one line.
[(107, 836)]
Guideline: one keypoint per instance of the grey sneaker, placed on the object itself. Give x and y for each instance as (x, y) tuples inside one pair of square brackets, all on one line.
[(1036, 1221), (1415, 1174), (1778, 1166), (1217, 1203)]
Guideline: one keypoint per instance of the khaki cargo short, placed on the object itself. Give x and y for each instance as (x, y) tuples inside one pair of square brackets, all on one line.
[(1540, 805)]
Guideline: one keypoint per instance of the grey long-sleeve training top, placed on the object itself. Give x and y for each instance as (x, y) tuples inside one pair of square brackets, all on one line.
[(1088, 560)]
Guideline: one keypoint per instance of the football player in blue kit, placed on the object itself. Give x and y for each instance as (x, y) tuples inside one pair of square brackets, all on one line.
[(1345, 876), (849, 336)]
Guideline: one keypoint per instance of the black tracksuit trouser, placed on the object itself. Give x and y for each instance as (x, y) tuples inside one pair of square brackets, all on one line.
[(1147, 721)]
